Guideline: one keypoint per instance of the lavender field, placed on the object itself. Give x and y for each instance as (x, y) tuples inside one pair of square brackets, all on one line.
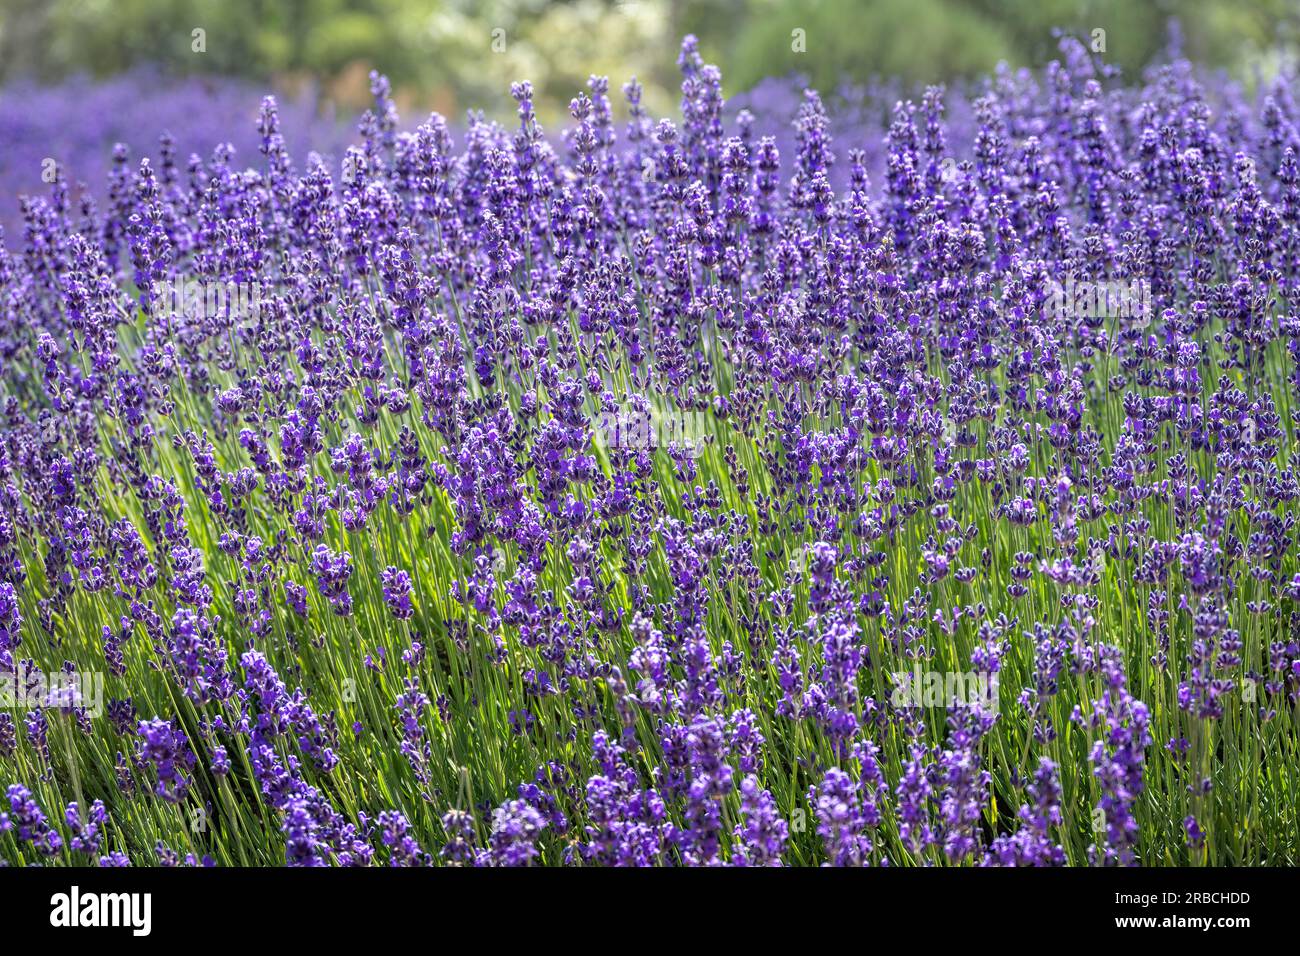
[(665, 492)]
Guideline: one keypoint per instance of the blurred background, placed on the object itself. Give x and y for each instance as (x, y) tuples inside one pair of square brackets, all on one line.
[(78, 75), (452, 55)]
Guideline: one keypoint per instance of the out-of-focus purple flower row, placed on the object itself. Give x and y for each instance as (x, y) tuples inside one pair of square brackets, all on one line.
[(77, 122)]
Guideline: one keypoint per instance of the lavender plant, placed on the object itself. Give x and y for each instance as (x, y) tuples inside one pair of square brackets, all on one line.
[(654, 494), (70, 125)]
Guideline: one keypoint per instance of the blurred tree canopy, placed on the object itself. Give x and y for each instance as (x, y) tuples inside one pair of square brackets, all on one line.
[(454, 54)]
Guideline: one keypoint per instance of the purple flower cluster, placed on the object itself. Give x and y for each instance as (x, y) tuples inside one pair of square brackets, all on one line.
[(955, 523)]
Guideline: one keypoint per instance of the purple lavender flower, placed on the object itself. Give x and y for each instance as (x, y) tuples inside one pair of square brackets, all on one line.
[(841, 822), (762, 837), (397, 592), (28, 824), (516, 826), (168, 750)]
